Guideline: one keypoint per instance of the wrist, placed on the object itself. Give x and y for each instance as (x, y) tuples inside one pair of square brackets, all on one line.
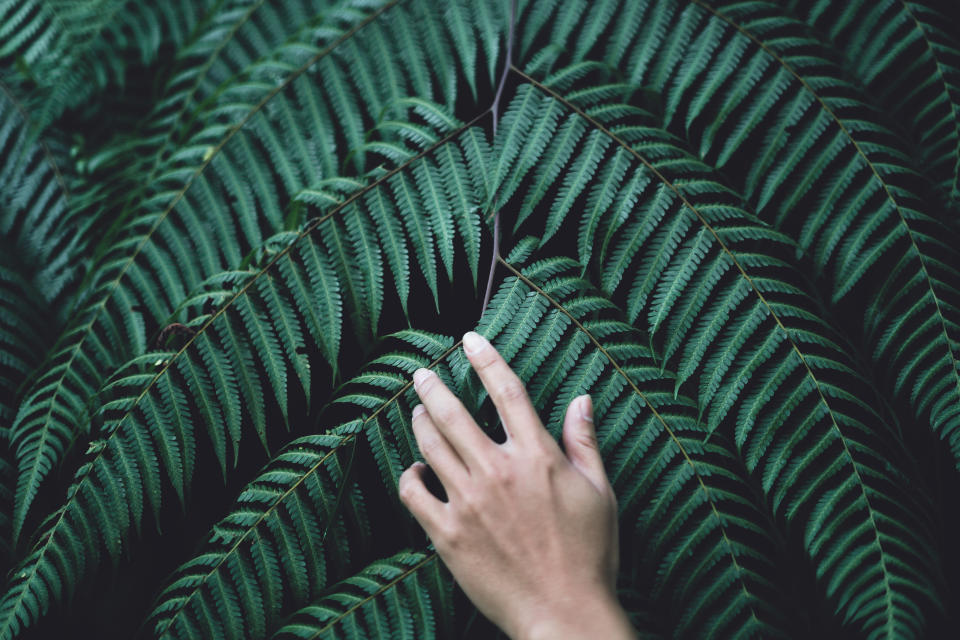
[(599, 616)]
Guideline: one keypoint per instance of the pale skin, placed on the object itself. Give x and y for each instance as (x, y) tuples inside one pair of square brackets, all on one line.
[(528, 531)]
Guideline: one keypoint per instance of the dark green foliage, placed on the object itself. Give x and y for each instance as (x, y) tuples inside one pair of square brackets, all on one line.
[(733, 223)]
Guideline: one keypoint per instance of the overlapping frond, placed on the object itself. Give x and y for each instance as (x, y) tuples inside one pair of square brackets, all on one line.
[(288, 537), (268, 135), (42, 239), (735, 240), (247, 333), (39, 255), (554, 351), (60, 53), (712, 570), (711, 286), (814, 160), (23, 337)]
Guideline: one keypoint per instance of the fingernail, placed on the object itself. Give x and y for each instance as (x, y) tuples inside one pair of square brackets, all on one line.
[(585, 406), (417, 410), (419, 376), (474, 342)]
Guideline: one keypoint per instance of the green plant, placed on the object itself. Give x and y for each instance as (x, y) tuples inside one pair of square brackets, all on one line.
[(732, 222)]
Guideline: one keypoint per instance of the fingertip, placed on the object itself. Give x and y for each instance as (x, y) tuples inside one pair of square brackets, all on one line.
[(585, 407), (420, 376), (408, 481), (474, 343), (580, 439)]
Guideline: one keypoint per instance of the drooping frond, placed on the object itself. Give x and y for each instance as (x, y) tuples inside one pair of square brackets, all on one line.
[(698, 568), (290, 533), (39, 250), (558, 359), (710, 285), (810, 157), (278, 125), (23, 337), (42, 239), (390, 598)]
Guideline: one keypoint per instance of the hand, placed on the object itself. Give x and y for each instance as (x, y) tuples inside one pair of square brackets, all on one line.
[(529, 533)]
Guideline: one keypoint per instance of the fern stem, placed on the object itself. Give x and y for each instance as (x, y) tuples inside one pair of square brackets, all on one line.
[(508, 63), (506, 66), (493, 262)]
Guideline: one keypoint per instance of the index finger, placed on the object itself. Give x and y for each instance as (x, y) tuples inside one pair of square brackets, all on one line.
[(519, 418)]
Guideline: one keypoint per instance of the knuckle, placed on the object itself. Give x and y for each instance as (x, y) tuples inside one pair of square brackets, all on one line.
[(447, 414), (471, 503), (512, 391), (501, 474), (546, 462), (429, 446), (542, 452), (405, 487), (447, 536)]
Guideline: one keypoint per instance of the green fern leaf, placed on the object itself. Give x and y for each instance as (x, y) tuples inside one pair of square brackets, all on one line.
[(296, 522), (390, 598)]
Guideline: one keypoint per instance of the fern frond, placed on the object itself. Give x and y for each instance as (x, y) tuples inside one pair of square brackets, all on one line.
[(917, 80), (390, 598), (304, 495), (648, 433), (239, 346), (40, 245), (65, 52), (547, 351), (746, 309), (42, 235), (733, 224), (289, 530), (827, 172), (268, 126)]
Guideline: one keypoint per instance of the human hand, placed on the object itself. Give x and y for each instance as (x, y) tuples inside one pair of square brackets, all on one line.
[(529, 533)]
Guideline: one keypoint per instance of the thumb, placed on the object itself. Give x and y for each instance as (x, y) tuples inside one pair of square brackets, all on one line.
[(580, 441)]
